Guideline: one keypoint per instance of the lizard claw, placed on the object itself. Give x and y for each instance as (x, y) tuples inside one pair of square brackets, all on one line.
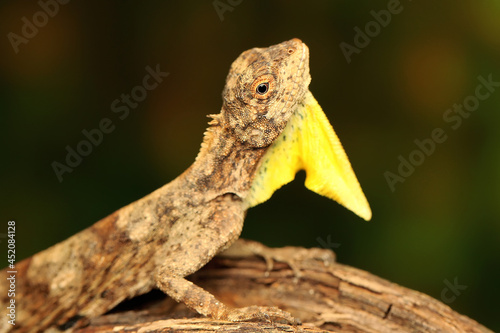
[(292, 256)]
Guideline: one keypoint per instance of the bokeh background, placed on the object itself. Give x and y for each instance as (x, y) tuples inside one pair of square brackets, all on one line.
[(438, 226)]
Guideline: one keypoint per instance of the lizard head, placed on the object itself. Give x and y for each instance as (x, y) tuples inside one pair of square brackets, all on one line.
[(262, 90)]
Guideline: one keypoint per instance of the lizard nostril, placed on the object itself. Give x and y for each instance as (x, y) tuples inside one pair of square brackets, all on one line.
[(255, 133), (291, 50)]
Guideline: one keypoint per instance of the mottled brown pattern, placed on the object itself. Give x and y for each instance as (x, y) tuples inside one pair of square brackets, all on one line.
[(172, 232)]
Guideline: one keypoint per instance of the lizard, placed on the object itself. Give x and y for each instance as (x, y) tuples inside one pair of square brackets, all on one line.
[(269, 127)]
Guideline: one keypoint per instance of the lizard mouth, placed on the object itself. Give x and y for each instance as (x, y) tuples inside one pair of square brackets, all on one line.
[(300, 76), (305, 52)]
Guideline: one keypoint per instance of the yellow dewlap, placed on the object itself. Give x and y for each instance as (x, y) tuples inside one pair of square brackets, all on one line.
[(309, 143)]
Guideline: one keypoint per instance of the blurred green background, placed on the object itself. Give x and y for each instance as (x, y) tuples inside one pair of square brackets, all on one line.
[(440, 225)]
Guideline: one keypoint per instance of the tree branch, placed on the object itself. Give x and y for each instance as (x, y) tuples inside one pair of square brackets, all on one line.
[(327, 297)]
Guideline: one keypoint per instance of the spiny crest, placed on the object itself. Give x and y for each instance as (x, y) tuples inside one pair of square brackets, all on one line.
[(215, 119), (209, 135)]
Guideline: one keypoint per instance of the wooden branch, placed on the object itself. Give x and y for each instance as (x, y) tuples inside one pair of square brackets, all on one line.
[(327, 297)]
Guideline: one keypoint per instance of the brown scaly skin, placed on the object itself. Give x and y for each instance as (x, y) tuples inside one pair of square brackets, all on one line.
[(172, 232)]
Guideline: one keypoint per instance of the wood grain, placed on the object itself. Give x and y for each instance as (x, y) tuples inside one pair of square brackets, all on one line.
[(327, 297)]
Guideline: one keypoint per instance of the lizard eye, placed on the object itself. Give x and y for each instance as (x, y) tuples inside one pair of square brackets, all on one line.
[(263, 86)]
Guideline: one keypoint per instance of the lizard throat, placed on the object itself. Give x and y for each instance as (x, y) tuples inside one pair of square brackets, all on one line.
[(309, 143)]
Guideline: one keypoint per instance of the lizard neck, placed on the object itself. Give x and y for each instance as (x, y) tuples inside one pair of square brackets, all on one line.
[(224, 164)]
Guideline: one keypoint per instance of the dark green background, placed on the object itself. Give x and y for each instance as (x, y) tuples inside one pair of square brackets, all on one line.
[(441, 224)]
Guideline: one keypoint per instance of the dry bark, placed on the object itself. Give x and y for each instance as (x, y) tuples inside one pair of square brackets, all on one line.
[(327, 297)]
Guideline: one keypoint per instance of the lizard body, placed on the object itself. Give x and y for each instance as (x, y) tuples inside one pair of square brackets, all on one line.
[(158, 240)]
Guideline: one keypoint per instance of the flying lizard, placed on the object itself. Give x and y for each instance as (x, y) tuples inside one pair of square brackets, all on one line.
[(269, 127)]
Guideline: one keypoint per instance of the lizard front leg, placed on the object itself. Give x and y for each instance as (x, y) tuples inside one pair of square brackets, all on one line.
[(194, 297), (205, 303), (217, 228)]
